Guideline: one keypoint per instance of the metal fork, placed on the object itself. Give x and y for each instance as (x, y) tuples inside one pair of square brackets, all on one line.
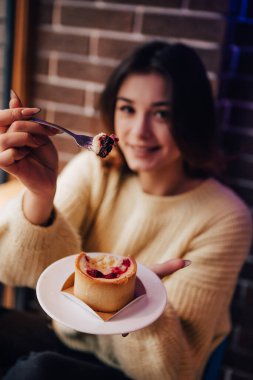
[(103, 143), (81, 140)]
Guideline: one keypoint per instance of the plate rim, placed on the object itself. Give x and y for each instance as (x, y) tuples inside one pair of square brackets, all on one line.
[(143, 272)]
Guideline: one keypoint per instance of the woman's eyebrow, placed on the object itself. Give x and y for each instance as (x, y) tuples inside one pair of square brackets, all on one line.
[(162, 103), (124, 99), (155, 104)]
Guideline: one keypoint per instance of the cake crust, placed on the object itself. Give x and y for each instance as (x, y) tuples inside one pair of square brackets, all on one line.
[(102, 283)]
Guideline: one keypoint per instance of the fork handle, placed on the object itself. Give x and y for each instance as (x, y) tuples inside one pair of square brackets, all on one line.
[(51, 125)]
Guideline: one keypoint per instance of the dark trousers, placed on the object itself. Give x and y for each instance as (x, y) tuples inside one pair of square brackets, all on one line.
[(29, 350)]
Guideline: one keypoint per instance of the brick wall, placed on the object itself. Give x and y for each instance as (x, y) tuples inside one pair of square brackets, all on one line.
[(77, 44), (236, 101)]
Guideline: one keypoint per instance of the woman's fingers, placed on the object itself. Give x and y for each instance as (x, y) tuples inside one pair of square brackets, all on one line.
[(10, 156), (32, 127), (8, 116), (169, 267), (21, 139)]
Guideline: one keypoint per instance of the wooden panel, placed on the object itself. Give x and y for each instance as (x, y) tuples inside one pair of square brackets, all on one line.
[(21, 46)]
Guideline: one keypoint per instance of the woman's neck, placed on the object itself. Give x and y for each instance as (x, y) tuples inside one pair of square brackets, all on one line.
[(173, 182)]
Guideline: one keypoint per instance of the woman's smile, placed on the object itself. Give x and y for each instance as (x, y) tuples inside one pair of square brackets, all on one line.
[(142, 150)]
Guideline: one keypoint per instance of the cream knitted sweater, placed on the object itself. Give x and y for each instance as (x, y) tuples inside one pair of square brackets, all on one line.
[(100, 210)]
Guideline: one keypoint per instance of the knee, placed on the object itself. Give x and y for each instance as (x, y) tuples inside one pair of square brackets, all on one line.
[(39, 366)]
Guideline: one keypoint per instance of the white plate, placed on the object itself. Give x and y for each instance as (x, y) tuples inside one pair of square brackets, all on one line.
[(63, 310)]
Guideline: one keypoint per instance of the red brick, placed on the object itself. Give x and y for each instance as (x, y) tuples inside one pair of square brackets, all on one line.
[(238, 293), (79, 123), (83, 71), (245, 64), (96, 100), (239, 361), (250, 9), (97, 18), (240, 116), (211, 59), (117, 49), (247, 271), (95, 96), (241, 169), (239, 375), (249, 297), (157, 3), (242, 315), (239, 142), (245, 193), (214, 82), (238, 88), (43, 12), (58, 94), (245, 339), (68, 43), (42, 114), (221, 6), (41, 65), (65, 144), (184, 27), (243, 34)]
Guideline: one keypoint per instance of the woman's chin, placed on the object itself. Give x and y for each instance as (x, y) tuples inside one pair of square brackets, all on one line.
[(139, 167)]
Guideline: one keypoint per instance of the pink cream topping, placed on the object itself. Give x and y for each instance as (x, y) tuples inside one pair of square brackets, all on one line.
[(105, 269)]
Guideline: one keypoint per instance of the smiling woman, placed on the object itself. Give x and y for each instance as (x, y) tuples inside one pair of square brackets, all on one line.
[(143, 126), (178, 77), (159, 202)]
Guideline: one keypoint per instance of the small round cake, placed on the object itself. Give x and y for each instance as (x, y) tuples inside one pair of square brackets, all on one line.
[(102, 144), (105, 282)]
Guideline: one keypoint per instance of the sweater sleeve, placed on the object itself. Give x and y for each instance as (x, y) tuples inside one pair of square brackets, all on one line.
[(26, 249), (177, 345)]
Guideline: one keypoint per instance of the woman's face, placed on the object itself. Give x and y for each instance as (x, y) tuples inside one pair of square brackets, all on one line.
[(142, 123)]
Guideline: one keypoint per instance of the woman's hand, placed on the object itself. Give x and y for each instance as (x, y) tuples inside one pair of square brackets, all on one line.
[(27, 153), (169, 267)]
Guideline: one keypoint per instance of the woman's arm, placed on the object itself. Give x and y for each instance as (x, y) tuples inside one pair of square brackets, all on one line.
[(32, 247), (27, 153)]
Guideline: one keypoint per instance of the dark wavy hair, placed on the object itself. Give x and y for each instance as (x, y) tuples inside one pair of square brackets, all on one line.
[(193, 118)]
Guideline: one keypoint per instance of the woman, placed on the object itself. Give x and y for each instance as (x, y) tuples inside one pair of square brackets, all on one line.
[(160, 201)]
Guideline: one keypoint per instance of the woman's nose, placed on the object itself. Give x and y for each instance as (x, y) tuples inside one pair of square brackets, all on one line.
[(142, 125)]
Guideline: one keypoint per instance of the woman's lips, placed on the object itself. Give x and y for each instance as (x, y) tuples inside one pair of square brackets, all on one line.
[(142, 150)]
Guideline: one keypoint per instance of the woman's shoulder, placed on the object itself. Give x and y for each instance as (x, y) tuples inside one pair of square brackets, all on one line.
[(223, 199)]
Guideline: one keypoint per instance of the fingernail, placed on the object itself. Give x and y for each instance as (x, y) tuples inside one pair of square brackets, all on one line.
[(187, 263), (54, 131), (13, 94), (30, 111)]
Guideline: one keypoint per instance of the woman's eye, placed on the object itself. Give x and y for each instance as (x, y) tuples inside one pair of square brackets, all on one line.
[(126, 109), (163, 115)]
